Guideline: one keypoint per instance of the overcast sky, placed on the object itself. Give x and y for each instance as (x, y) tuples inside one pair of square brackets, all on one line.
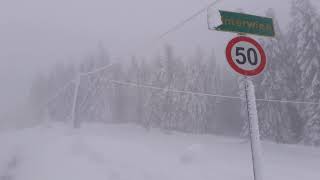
[(34, 34)]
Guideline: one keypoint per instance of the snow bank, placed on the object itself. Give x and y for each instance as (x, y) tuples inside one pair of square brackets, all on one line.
[(192, 154), (127, 152)]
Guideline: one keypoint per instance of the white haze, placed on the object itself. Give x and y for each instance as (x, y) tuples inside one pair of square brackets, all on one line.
[(36, 34)]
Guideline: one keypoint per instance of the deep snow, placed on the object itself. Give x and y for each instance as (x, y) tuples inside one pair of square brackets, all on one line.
[(127, 152)]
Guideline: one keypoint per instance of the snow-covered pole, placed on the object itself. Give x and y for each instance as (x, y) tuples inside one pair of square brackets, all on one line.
[(77, 82), (256, 149), (74, 120)]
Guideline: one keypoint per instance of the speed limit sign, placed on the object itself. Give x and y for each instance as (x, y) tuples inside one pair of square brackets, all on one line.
[(246, 56)]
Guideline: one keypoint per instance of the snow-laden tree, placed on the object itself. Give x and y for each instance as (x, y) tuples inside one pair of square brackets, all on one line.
[(196, 106), (94, 94), (184, 111), (144, 78), (304, 44), (172, 77), (60, 92), (39, 96), (212, 84), (279, 81), (138, 73), (155, 97), (166, 73)]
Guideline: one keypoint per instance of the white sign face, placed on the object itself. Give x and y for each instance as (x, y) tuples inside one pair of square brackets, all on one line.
[(246, 56)]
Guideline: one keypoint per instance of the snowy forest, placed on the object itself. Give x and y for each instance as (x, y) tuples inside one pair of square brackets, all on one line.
[(138, 91)]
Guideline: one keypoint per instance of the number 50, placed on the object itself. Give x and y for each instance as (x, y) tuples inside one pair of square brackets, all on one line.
[(240, 51)]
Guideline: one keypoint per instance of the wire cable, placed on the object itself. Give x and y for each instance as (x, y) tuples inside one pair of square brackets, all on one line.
[(61, 90), (182, 23), (207, 94), (97, 70)]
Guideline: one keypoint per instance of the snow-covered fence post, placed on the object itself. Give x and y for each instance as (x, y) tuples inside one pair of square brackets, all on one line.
[(256, 149), (75, 122)]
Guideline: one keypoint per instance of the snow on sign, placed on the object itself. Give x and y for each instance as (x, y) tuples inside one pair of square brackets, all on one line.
[(246, 23), (246, 56)]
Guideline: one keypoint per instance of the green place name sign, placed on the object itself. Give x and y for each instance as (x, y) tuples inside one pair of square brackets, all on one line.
[(246, 24)]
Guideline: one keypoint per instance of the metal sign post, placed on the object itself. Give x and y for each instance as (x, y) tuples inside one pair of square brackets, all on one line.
[(247, 57), (256, 151)]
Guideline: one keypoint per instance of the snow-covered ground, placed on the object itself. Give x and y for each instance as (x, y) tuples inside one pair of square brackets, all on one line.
[(126, 152)]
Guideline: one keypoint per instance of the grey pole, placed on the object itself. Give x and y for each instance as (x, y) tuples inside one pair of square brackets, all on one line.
[(74, 119), (255, 143)]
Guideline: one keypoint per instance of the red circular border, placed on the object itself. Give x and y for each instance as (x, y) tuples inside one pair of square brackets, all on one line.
[(234, 66)]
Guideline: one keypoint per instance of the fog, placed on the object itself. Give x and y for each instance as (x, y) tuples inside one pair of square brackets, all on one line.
[(114, 89), (36, 34)]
